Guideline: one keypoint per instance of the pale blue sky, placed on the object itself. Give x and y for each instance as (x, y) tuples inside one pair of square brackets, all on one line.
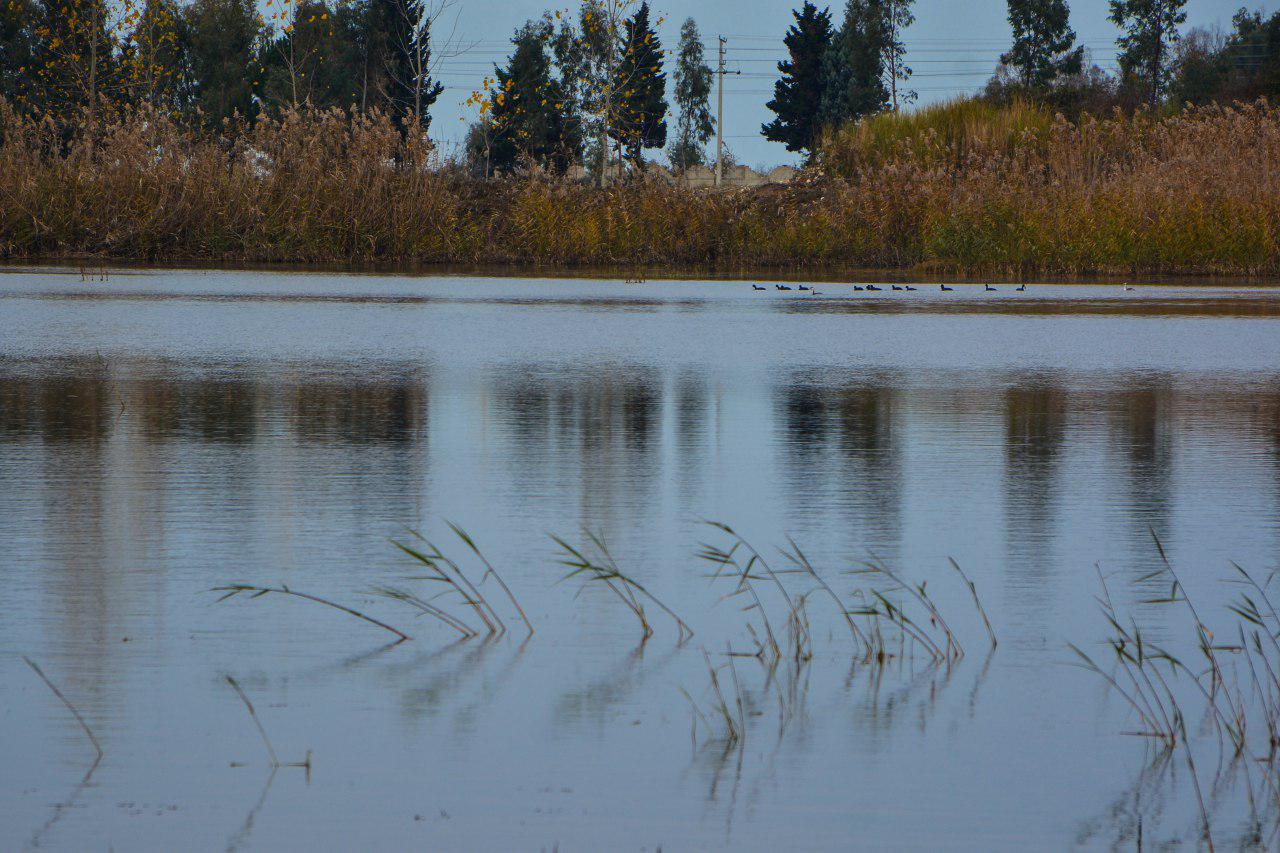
[(952, 47)]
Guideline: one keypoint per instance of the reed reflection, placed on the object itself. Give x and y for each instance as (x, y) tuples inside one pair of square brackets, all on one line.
[(1142, 436), (381, 411), (68, 419), (594, 439), (840, 443), (693, 440), (1035, 427)]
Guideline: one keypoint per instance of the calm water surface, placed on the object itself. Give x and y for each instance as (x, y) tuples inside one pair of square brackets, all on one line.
[(163, 433)]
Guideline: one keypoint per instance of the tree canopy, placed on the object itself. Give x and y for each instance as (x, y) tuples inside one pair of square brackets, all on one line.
[(797, 95), (1150, 30), (854, 65), (692, 90), (640, 86), (1044, 46)]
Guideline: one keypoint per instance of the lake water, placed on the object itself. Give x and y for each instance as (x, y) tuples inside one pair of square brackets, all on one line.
[(162, 433)]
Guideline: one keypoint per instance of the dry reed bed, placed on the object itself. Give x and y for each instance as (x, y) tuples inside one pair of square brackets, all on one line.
[(1001, 191)]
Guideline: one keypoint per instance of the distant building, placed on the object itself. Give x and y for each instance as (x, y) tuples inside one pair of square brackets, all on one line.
[(702, 177)]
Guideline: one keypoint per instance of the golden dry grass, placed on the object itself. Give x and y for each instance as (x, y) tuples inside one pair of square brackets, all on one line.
[(960, 188)]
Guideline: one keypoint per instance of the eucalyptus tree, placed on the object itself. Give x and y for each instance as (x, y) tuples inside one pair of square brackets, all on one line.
[(1044, 45), (155, 56), (1146, 47), (694, 126), (898, 16)]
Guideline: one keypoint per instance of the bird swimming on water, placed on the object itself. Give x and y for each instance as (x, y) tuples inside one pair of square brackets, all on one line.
[(895, 287), (910, 288), (802, 287), (988, 288), (947, 289), (782, 287), (1021, 288), (758, 287), (873, 287), (858, 287)]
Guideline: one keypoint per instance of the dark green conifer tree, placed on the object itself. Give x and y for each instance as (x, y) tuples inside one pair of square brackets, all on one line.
[(409, 89), (854, 67), (797, 95), (224, 68), (529, 120), (640, 85)]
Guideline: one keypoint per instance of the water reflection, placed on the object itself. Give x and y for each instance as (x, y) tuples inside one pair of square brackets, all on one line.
[(1143, 425), (1035, 429), (377, 411), (841, 451), (61, 407), (602, 431), (143, 480), (694, 439)]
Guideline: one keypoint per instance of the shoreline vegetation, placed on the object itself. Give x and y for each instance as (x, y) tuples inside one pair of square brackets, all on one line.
[(968, 188)]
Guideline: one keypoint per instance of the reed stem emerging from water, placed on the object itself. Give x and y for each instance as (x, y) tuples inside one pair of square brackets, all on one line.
[(231, 590), (603, 568), (65, 701)]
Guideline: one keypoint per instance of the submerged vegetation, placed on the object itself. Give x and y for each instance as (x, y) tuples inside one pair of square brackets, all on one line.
[(968, 187)]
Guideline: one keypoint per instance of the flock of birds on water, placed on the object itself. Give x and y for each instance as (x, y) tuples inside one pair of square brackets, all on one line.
[(906, 288)]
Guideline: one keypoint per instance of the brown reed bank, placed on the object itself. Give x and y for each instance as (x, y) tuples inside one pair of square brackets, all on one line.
[(962, 188)]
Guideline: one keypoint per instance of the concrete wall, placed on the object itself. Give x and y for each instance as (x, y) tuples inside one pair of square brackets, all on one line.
[(704, 177), (736, 176)]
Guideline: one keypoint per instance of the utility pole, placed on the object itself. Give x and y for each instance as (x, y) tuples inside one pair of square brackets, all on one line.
[(720, 113), (720, 72)]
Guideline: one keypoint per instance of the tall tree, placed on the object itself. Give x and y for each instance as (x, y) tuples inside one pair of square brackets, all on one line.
[(223, 34), (693, 88), (155, 57), (1043, 43), (854, 67), (296, 63), (898, 16), (410, 89), (1253, 52), (797, 95), (640, 85), (1239, 66), (589, 61), (1146, 48), (355, 61), (17, 50), (76, 55), (526, 115)]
